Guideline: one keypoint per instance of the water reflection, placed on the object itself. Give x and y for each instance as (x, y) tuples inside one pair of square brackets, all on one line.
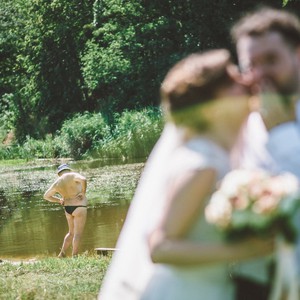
[(35, 232), (31, 227)]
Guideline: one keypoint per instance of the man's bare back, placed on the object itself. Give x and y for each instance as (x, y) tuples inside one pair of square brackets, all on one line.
[(72, 188), (69, 190)]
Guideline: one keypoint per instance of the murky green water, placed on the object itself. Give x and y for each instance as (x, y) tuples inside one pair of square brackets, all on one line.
[(33, 227)]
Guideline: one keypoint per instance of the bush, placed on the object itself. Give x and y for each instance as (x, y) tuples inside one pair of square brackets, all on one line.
[(7, 152), (33, 148), (134, 134), (79, 134)]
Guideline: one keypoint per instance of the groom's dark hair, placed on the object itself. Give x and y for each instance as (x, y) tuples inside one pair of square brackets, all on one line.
[(264, 20)]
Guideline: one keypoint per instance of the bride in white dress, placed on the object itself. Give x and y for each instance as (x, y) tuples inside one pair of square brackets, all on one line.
[(167, 250)]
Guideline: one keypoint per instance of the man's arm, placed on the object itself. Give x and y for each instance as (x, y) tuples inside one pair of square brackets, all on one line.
[(81, 179), (50, 195)]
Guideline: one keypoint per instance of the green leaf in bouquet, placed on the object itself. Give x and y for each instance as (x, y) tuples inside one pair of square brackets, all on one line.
[(287, 228), (260, 221), (289, 205), (240, 218)]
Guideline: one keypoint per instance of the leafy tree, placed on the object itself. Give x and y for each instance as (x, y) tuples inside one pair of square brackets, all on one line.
[(49, 81), (8, 46), (134, 43), (13, 77), (54, 44), (60, 57)]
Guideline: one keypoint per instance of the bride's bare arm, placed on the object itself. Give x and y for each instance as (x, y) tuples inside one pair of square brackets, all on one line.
[(186, 201), (183, 252)]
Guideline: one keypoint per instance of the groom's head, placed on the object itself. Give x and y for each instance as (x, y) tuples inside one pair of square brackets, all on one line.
[(268, 48)]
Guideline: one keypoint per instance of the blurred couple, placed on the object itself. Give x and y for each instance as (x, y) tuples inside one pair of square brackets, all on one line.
[(167, 249)]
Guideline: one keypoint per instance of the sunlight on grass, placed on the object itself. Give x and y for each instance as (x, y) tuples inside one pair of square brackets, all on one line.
[(53, 278), (12, 162)]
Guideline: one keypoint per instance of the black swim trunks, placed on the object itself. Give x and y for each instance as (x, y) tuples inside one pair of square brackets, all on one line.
[(70, 208)]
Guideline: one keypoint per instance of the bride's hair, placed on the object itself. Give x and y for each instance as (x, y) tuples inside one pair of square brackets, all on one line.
[(195, 80)]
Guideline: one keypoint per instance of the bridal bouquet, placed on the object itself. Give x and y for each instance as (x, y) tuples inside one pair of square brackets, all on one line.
[(254, 202)]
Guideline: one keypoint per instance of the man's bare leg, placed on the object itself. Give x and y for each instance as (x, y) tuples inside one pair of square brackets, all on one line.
[(69, 236), (79, 222)]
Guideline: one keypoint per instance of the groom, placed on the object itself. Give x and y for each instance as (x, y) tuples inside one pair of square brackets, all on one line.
[(268, 48)]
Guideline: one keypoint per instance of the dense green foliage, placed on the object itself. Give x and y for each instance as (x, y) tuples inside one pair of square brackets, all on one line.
[(42, 62), (80, 134), (59, 58), (133, 135)]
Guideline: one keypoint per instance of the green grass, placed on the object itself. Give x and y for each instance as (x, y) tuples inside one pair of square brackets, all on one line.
[(53, 278), (12, 162)]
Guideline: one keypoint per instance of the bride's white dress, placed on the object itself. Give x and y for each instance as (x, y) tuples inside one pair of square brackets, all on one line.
[(132, 275)]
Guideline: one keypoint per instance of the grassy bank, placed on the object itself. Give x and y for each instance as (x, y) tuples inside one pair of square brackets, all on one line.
[(53, 278)]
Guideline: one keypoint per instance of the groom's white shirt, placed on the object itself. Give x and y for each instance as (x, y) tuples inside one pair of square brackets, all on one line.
[(284, 145), (276, 151)]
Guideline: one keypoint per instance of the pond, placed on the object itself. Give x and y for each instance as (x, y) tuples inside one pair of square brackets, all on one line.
[(31, 227)]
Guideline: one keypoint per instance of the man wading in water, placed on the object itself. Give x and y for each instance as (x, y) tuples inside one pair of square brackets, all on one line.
[(70, 191)]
